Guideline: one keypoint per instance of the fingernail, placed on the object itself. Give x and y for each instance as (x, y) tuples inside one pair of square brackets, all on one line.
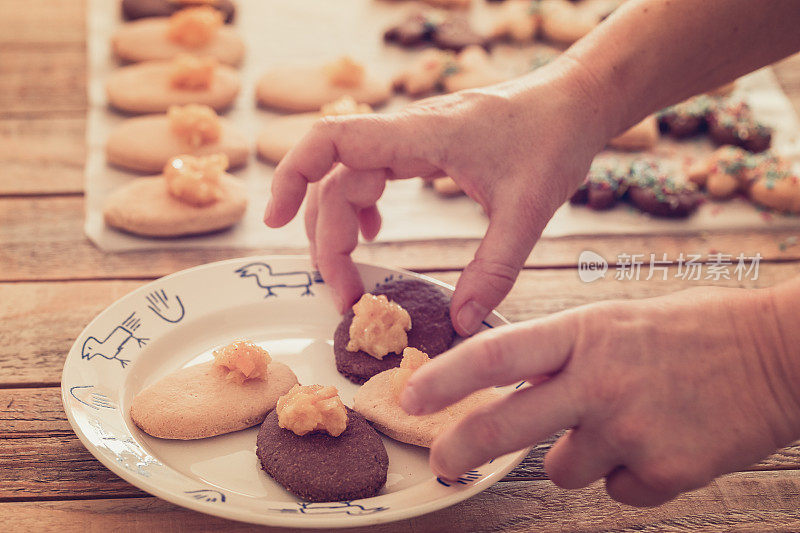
[(410, 402), (268, 210), (470, 316)]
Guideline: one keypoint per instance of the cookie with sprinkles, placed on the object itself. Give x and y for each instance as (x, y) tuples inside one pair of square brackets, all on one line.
[(447, 31), (602, 187), (687, 118), (776, 186), (734, 123), (652, 189)]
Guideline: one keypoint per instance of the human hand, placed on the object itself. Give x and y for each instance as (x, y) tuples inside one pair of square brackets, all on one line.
[(660, 395), (518, 149)]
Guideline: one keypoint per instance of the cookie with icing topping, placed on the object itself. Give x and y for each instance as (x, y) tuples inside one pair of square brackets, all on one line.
[(448, 31), (431, 329), (734, 123), (653, 190), (687, 118), (604, 185)]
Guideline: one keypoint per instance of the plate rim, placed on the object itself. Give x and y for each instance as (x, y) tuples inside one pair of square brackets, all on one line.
[(276, 520)]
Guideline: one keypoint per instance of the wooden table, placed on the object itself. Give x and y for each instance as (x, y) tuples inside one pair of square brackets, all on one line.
[(53, 281)]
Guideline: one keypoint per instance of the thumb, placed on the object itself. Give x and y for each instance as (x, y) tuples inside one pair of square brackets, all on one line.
[(488, 278)]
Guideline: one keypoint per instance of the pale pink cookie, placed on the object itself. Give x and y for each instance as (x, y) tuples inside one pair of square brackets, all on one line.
[(147, 143), (307, 88), (474, 70), (196, 30), (377, 401), (641, 136), (154, 86), (566, 22), (281, 134), (193, 196), (213, 398)]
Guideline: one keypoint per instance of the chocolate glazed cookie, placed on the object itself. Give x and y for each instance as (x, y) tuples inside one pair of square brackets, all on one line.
[(652, 190), (431, 329), (136, 9), (321, 468)]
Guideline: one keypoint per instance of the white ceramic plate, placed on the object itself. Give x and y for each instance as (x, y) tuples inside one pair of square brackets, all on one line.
[(281, 304)]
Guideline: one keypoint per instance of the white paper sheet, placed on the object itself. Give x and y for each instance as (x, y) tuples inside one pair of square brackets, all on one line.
[(313, 31)]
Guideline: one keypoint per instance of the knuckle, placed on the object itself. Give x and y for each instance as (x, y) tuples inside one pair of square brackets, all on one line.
[(501, 276)]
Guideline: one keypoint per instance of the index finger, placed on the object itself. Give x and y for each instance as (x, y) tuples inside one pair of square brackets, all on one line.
[(501, 356), (362, 142)]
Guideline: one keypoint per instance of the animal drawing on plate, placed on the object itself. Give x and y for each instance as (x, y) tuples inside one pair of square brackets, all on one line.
[(270, 280), (166, 307), (113, 343)]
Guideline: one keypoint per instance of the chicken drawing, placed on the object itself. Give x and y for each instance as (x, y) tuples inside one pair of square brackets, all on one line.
[(269, 280), (111, 346)]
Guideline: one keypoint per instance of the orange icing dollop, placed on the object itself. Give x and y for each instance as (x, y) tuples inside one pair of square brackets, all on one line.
[(379, 326), (194, 123), (192, 73), (345, 72), (412, 360), (346, 105), (242, 361), (307, 408), (196, 180), (194, 26)]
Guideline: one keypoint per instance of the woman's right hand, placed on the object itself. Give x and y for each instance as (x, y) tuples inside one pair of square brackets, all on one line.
[(518, 148)]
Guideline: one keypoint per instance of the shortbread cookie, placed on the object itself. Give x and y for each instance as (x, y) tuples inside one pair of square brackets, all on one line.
[(641, 136), (154, 86), (147, 143), (474, 69), (281, 134), (431, 328), (447, 187), (439, 70), (565, 22), (655, 191), (776, 187), (378, 401), (137, 9), (517, 20), (313, 462), (194, 200), (198, 31), (211, 399), (725, 172), (307, 88)]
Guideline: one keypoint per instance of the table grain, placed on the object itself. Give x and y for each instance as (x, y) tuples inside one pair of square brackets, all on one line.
[(48, 481)]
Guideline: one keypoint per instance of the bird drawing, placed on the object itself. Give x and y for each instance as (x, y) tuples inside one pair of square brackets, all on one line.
[(267, 279), (111, 346)]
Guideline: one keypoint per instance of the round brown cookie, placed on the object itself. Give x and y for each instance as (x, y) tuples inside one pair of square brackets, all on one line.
[(431, 329), (734, 124), (686, 118), (654, 191), (137, 9), (321, 468)]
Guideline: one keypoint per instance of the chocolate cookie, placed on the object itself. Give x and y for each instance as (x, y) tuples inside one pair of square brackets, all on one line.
[(734, 124), (602, 187), (321, 468), (451, 31), (652, 190), (136, 9), (431, 329), (687, 118)]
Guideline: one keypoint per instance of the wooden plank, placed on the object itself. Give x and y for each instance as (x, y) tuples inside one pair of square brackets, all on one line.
[(766, 501), (42, 156), (42, 239), (38, 328), (42, 22), (43, 82)]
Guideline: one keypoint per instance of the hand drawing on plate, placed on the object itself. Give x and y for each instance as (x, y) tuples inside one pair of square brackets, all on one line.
[(166, 307), (349, 508), (114, 342), (269, 280), (90, 397)]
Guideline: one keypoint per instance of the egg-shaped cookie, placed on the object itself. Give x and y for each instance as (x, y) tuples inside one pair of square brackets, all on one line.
[(137, 9), (149, 88), (145, 207), (147, 143), (197, 402), (280, 135), (148, 39), (307, 88)]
